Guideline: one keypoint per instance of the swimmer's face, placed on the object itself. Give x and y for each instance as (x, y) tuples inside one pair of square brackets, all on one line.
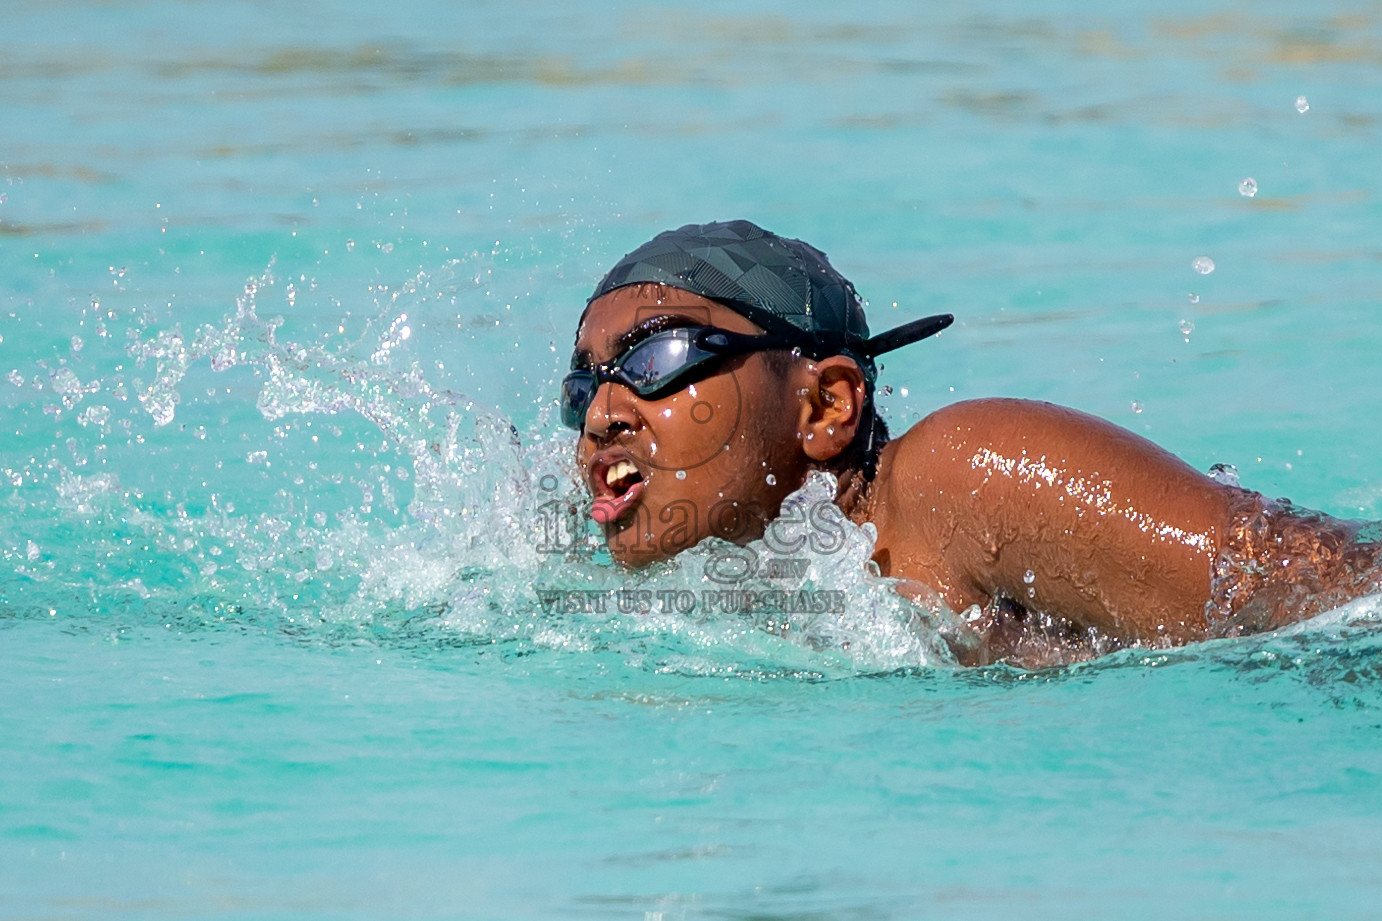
[(713, 458)]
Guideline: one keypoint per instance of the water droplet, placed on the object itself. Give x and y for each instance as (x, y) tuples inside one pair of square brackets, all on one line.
[(1302, 105), (1136, 406), (1029, 577), (77, 343), (14, 377), (1031, 593), (1248, 187), (350, 245), (681, 474), (1186, 328), (94, 415), (32, 551), (3, 198), (68, 385), (1194, 298), (1203, 264), (1224, 473), (771, 480)]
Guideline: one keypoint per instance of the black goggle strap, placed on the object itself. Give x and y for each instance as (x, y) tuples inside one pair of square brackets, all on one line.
[(906, 334), (724, 342)]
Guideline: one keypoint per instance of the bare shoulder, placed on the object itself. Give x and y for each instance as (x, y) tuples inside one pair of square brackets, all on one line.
[(939, 466), (1002, 421), (964, 439), (1051, 509), (982, 496)]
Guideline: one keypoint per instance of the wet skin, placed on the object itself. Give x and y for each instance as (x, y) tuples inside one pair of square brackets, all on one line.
[(1038, 506), (1058, 510)]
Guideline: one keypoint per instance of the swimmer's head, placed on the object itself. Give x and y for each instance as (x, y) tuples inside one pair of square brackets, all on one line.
[(715, 366)]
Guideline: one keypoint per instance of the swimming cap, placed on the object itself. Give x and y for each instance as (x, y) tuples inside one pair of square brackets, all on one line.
[(785, 286)]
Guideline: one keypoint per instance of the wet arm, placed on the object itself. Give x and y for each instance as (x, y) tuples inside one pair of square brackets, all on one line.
[(1059, 511)]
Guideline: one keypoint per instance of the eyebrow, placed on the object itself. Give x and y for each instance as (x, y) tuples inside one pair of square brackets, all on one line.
[(582, 358)]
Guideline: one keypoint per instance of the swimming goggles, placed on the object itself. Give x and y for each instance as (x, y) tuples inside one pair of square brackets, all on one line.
[(662, 363), (675, 358)]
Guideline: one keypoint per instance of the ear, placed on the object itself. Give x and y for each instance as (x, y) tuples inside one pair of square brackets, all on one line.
[(832, 408)]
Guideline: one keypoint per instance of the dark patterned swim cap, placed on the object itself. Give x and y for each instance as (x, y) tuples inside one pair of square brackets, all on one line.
[(785, 286)]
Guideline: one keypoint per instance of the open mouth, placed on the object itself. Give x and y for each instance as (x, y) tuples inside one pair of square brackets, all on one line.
[(621, 476), (616, 487)]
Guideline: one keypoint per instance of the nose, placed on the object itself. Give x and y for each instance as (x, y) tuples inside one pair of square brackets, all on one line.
[(611, 411)]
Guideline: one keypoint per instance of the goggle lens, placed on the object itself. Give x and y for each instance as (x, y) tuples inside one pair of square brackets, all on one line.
[(577, 393), (654, 366)]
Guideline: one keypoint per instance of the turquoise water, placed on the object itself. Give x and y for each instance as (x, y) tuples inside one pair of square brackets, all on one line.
[(285, 297)]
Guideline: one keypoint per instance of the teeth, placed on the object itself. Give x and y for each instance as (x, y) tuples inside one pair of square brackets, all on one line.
[(618, 471)]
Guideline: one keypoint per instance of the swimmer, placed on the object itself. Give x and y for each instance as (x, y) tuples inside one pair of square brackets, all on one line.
[(718, 365)]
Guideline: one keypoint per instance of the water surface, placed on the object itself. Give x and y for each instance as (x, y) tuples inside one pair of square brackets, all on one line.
[(286, 295)]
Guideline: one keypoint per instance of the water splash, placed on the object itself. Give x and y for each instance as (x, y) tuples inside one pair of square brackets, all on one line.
[(334, 491), (343, 494), (807, 585)]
